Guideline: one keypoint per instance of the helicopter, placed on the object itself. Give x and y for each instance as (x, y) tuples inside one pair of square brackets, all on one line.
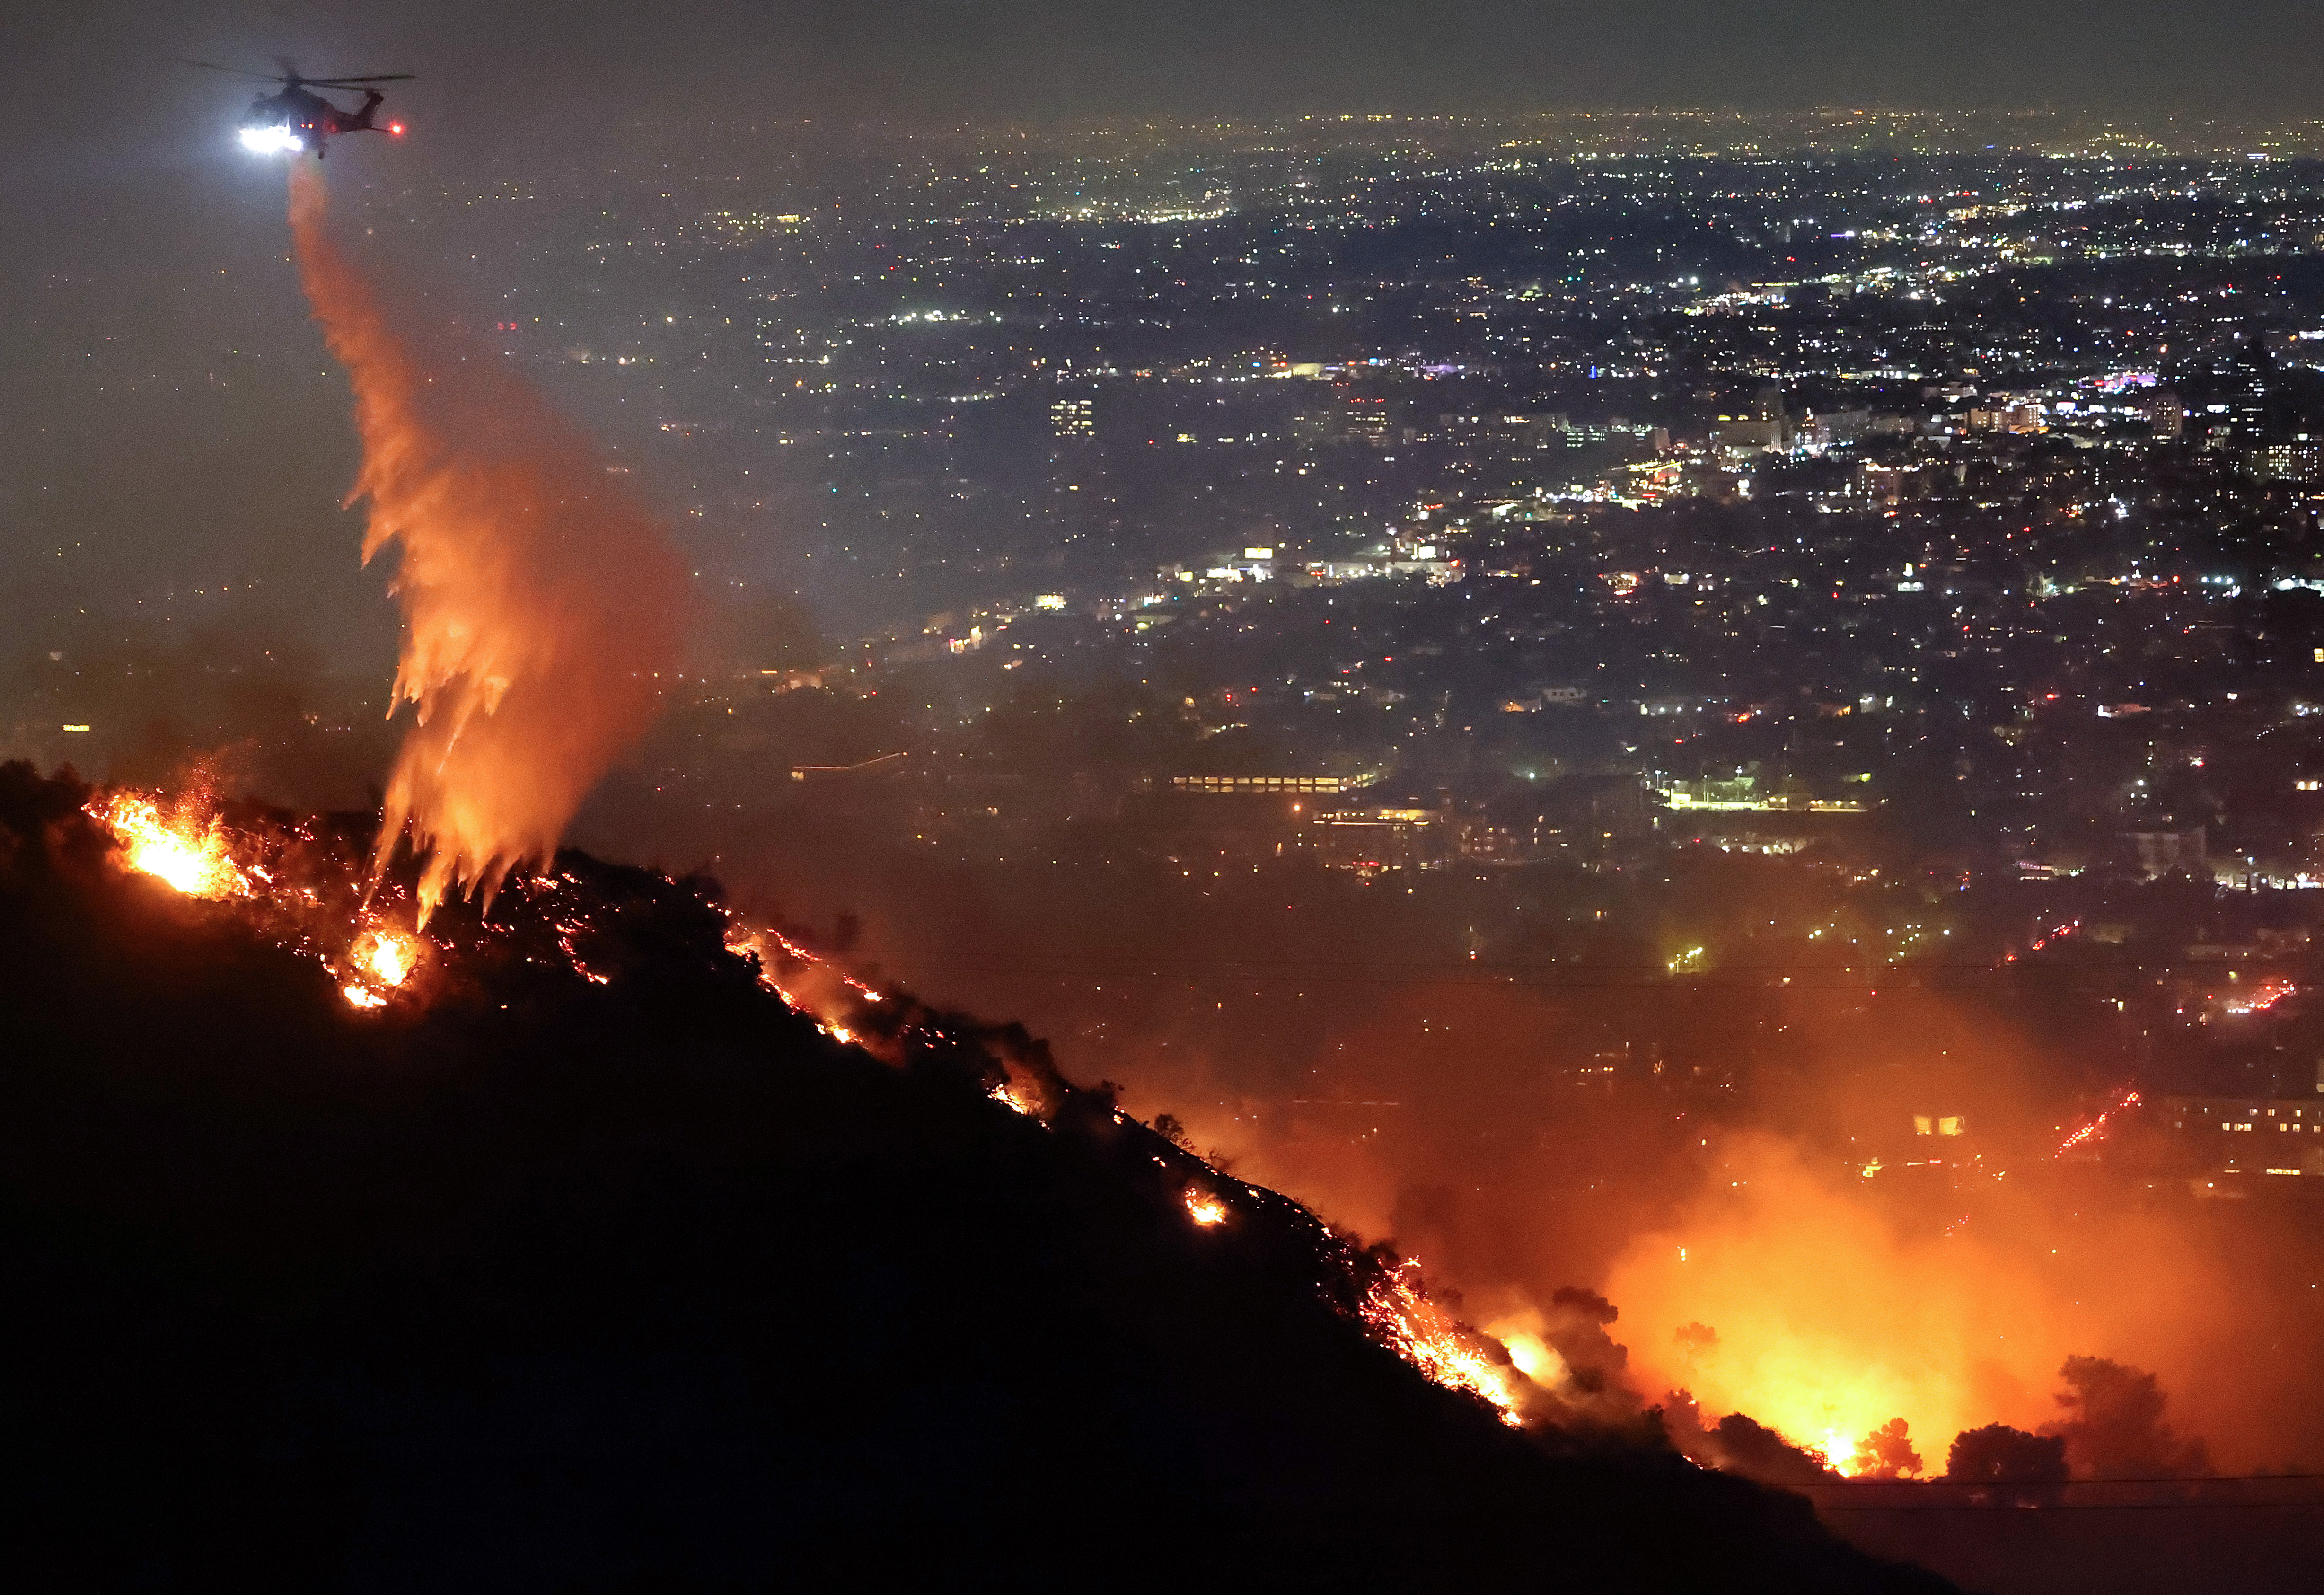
[(297, 119)]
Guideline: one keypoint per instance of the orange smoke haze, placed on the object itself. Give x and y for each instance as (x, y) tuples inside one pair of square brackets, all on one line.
[(542, 607), (1750, 1259), (1781, 1292)]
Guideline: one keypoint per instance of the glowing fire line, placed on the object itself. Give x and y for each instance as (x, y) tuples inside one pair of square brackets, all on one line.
[(2095, 1128), (1403, 1318), (196, 857)]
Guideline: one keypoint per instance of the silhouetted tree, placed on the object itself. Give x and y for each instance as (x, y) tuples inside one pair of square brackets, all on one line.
[(1889, 1449), (1999, 1455), (2113, 1426)]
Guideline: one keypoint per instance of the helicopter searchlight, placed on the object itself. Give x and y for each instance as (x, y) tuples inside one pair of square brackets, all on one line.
[(270, 141)]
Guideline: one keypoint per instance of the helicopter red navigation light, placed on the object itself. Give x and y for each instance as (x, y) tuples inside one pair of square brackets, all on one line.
[(396, 128)]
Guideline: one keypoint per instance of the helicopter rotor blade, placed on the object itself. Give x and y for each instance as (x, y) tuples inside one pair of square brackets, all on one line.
[(237, 71), (349, 82)]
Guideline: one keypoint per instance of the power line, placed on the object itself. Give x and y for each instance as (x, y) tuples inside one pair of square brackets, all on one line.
[(1945, 1483), (1768, 978), (1944, 1495), (2015, 1504)]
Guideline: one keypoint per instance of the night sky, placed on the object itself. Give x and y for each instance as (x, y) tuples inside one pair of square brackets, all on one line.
[(911, 58)]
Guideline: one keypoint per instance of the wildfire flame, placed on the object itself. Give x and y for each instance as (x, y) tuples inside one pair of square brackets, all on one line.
[(1839, 1318), (2056, 933), (1395, 1309), (388, 956), (203, 857), (541, 607), (1006, 1095), (382, 959), (1403, 1318), (193, 858), (1535, 1357)]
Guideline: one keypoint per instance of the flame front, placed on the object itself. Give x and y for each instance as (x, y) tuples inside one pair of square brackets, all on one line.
[(1403, 1318), (193, 858), (541, 607), (1394, 1308)]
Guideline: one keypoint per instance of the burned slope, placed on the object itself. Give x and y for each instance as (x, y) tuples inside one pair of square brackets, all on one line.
[(549, 1284)]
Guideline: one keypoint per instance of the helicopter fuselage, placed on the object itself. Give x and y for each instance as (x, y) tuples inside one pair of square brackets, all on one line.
[(308, 118)]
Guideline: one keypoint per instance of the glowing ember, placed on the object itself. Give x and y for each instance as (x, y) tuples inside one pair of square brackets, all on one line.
[(362, 997), (1402, 1317), (1206, 1209), (192, 859)]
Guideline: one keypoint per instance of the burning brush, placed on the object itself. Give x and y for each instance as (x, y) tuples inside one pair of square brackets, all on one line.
[(295, 880), (192, 857), (1401, 1317)]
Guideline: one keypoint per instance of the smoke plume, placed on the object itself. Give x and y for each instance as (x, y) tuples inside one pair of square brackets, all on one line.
[(542, 605)]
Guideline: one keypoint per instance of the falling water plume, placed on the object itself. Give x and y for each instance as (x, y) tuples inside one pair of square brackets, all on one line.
[(542, 605)]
